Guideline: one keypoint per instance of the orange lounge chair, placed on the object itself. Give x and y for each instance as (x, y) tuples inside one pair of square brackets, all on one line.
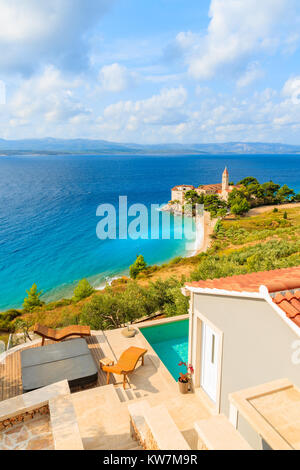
[(126, 364), (60, 335)]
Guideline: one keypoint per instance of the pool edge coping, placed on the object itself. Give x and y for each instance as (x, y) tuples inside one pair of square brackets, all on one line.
[(165, 371)]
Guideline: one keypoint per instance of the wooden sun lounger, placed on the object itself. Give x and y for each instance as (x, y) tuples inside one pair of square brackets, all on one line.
[(60, 335), (126, 364)]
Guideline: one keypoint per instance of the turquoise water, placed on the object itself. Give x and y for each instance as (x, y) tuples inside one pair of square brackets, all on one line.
[(170, 342), (48, 213)]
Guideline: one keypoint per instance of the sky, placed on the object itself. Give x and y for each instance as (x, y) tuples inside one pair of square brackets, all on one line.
[(151, 71)]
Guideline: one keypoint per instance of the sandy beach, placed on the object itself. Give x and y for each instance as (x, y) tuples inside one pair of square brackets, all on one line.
[(205, 241)]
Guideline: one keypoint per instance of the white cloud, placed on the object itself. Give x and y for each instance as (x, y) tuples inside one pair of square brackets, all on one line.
[(53, 105), (47, 44), (291, 89), (44, 102), (24, 21), (291, 43), (151, 109), (264, 116), (237, 29), (147, 116), (252, 74), (35, 31), (163, 78), (116, 78)]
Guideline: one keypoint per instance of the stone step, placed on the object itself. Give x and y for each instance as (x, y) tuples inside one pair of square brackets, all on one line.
[(124, 444), (108, 390), (127, 395)]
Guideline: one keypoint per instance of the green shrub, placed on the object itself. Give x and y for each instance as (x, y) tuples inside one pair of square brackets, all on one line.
[(168, 297), (113, 309), (212, 203), (177, 303), (6, 319), (83, 290), (33, 299), (257, 194), (137, 267), (240, 206), (274, 254), (23, 326), (58, 304), (68, 319)]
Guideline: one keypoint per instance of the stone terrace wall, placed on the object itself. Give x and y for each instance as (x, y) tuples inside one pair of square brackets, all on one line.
[(23, 417)]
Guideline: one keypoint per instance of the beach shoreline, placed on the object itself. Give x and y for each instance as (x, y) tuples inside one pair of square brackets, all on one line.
[(204, 230)]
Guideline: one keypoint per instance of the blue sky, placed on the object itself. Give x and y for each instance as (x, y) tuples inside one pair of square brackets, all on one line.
[(151, 71)]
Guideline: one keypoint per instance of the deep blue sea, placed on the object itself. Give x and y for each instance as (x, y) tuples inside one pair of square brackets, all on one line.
[(48, 212)]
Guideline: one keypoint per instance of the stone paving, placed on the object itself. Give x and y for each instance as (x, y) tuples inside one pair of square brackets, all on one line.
[(30, 435), (102, 413)]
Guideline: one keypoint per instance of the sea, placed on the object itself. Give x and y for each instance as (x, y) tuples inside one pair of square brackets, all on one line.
[(48, 213)]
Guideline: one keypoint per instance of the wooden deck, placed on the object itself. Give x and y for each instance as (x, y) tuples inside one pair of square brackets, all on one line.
[(10, 373)]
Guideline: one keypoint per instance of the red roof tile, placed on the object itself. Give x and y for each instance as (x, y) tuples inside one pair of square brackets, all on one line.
[(225, 190), (213, 187), (275, 281), (290, 304), (183, 186)]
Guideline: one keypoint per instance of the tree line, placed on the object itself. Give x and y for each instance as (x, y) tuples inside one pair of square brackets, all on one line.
[(248, 193)]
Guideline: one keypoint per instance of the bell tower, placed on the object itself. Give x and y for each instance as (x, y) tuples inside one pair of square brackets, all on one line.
[(225, 180)]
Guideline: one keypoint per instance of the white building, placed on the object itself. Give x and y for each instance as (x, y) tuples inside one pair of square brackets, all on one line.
[(221, 189), (245, 331)]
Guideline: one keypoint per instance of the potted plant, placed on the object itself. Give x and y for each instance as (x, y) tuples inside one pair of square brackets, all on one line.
[(185, 379)]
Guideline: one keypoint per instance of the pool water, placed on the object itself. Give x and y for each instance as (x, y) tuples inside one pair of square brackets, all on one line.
[(170, 342)]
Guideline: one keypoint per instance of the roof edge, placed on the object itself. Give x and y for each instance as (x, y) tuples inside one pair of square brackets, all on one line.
[(262, 294), (282, 314), (229, 293)]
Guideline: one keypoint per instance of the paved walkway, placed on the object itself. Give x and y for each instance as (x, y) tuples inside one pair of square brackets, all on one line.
[(262, 209), (102, 412)]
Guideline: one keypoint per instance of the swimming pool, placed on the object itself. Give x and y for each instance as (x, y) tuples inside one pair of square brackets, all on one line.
[(170, 342)]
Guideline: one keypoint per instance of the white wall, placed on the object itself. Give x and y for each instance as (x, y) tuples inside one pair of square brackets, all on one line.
[(257, 345)]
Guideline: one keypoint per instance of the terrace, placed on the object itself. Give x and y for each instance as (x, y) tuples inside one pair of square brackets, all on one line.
[(273, 410), (103, 412)]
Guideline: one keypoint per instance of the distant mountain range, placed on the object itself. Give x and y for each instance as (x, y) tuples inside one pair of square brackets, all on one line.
[(50, 146)]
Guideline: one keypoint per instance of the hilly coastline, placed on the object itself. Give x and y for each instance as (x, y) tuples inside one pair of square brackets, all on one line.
[(51, 146)]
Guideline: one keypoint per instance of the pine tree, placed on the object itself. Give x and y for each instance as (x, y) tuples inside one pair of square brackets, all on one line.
[(137, 267), (83, 290), (33, 299)]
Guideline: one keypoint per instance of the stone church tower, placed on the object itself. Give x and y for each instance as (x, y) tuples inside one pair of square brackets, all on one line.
[(225, 181)]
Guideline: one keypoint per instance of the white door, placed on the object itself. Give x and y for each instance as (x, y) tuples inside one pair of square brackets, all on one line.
[(210, 361)]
